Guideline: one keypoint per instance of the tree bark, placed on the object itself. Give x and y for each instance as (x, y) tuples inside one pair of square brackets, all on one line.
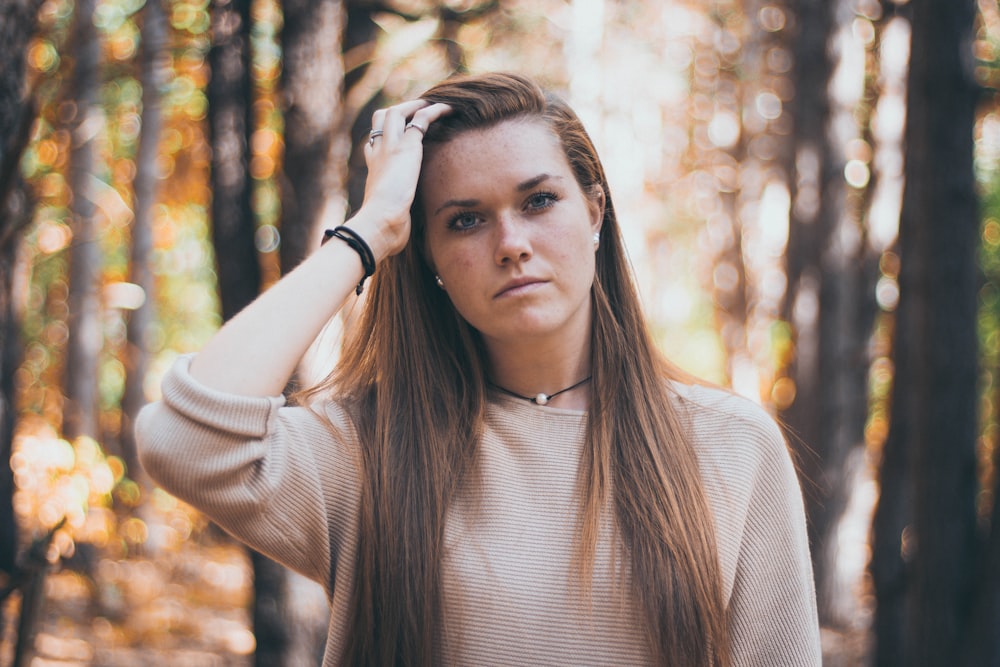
[(230, 122), (17, 24), (360, 40), (10, 357), (18, 19), (813, 180), (315, 152), (312, 197), (270, 624), (239, 274), (984, 644), (925, 597), (15, 209), (140, 273), (829, 303), (81, 410)]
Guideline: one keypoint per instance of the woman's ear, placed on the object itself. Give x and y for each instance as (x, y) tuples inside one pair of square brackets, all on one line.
[(595, 199)]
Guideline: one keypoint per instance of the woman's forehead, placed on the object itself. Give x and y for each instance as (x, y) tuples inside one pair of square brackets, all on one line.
[(510, 146)]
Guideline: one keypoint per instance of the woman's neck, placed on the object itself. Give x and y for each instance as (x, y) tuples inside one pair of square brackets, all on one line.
[(527, 369)]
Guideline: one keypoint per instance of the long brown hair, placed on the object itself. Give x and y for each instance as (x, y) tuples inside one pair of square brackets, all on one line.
[(413, 376)]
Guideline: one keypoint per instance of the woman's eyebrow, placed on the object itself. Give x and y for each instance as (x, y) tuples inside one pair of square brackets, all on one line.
[(532, 182), (521, 187), (460, 203)]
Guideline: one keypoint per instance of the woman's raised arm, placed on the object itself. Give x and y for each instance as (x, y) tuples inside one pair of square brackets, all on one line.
[(256, 352)]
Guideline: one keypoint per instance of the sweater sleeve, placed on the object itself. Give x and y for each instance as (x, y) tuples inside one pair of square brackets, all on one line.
[(280, 479), (772, 609)]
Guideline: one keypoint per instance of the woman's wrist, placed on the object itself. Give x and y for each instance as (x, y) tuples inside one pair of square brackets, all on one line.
[(357, 243), (376, 236)]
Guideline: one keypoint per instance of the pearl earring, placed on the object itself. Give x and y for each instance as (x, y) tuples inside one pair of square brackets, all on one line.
[(440, 283), (597, 239)]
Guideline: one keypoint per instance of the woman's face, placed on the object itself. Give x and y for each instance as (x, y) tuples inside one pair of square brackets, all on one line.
[(510, 232)]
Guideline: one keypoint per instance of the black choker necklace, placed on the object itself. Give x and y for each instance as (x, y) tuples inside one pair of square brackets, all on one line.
[(542, 398)]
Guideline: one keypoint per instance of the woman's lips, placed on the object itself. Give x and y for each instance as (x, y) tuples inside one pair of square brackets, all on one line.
[(519, 286)]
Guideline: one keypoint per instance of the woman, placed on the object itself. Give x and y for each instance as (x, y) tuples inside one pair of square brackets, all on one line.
[(501, 470)]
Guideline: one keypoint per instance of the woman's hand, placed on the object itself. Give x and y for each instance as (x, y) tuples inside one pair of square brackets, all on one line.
[(393, 155), (257, 351)]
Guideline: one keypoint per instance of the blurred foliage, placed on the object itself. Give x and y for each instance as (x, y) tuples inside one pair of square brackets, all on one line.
[(117, 598), (685, 102), (987, 51)]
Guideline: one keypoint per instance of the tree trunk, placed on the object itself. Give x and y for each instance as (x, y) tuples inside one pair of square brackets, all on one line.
[(984, 646), (230, 122), (270, 625), (141, 319), (81, 411), (17, 23), (812, 175), (290, 631), (360, 39), (829, 303), (10, 359), (924, 597), (239, 273), (315, 152), (16, 212)]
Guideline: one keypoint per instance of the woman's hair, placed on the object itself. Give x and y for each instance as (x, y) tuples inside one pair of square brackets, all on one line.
[(413, 376)]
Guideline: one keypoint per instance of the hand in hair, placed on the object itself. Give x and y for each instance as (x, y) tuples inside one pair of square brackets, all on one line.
[(393, 155), (257, 351)]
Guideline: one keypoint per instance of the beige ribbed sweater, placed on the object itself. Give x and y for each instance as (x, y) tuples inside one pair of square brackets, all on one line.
[(276, 478)]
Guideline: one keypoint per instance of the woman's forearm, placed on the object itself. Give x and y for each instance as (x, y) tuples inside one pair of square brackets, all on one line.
[(256, 352)]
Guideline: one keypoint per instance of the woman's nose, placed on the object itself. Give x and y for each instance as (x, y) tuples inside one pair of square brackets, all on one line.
[(513, 242)]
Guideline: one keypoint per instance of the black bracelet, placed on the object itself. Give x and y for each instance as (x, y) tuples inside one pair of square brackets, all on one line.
[(358, 245)]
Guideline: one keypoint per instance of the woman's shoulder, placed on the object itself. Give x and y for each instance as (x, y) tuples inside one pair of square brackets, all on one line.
[(725, 425), (717, 404), (745, 462)]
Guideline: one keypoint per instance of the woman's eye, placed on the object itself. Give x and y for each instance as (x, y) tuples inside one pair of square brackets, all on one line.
[(541, 200), (463, 220)]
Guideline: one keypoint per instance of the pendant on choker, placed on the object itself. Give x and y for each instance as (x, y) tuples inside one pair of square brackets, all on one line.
[(541, 398)]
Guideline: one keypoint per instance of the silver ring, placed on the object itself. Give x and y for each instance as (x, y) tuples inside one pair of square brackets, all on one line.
[(415, 126), (372, 135)]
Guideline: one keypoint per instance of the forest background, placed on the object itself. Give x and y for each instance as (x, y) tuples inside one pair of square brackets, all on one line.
[(810, 193)]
